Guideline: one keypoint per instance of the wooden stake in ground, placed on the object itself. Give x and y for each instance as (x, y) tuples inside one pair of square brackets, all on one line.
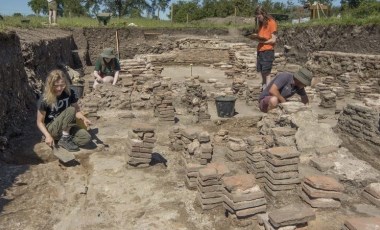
[(117, 45)]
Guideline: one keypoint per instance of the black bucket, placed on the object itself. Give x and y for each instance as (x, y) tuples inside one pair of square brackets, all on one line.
[(78, 89), (225, 106)]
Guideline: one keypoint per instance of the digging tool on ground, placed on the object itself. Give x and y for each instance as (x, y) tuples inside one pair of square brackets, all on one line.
[(62, 154)]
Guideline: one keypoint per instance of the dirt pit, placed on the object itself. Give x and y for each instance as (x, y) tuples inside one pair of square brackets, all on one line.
[(102, 192)]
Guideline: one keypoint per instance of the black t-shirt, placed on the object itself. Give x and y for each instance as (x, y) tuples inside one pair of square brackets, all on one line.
[(63, 101)]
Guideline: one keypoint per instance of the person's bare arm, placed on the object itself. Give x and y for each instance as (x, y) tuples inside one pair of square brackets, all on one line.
[(41, 126), (305, 99), (272, 40), (97, 76), (274, 91), (80, 115), (115, 77)]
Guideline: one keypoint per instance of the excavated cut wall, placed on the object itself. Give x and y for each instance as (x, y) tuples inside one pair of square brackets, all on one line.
[(16, 98)]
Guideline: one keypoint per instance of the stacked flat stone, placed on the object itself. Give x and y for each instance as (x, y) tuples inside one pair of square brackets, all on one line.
[(209, 185), (238, 86), (288, 217), (245, 60), (242, 197), (361, 223), (192, 172), (361, 122), (163, 106), (328, 99), (195, 100), (362, 91), (372, 193), (91, 108), (252, 94), (320, 87), (349, 81), (328, 80), (321, 192), (141, 148), (281, 169), (339, 92), (255, 162), (236, 149), (284, 136)]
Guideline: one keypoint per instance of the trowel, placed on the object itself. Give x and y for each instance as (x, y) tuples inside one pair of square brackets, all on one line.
[(62, 154)]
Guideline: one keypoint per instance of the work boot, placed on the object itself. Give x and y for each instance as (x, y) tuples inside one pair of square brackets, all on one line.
[(67, 143)]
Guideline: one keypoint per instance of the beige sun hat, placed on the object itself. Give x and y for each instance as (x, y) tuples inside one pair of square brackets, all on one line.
[(108, 53), (304, 76)]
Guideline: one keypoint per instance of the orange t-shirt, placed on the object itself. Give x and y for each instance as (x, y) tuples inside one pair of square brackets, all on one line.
[(266, 32)]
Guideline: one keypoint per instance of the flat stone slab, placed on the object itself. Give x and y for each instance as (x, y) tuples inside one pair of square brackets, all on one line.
[(321, 163), (373, 189), (319, 193), (371, 198), (283, 152), (319, 202), (239, 195), (241, 182), (363, 223), (324, 183), (291, 215)]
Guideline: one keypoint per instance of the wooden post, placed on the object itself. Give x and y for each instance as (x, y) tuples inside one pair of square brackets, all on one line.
[(117, 45), (235, 15), (187, 18), (171, 15)]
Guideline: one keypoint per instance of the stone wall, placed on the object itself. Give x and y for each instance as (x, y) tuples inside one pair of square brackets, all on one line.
[(16, 97), (328, 63), (362, 123)]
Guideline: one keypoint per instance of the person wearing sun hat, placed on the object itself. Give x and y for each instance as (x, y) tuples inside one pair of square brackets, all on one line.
[(107, 68), (283, 86)]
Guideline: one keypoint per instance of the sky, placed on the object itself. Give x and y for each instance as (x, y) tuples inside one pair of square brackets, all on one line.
[(9, 7)]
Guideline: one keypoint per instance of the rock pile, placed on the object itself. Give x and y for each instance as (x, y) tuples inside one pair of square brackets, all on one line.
[(321, 192), (195, 144), (195, 101), (252, 94), (238, 86), (221, 136), (373, 100), (106, 97), (372, 193), (242, 197), (209, 185), (281, 169), (140, 146), (236, 149), (288, 217)]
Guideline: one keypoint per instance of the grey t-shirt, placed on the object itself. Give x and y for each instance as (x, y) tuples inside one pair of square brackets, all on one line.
[(285, 84)]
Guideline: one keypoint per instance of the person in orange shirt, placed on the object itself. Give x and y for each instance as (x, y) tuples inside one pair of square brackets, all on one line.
[(266, 37)]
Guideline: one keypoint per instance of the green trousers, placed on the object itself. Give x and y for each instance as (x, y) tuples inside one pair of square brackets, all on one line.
[(67, 119)]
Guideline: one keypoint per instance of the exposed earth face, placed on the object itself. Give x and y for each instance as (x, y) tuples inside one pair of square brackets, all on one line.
[(101, 191)]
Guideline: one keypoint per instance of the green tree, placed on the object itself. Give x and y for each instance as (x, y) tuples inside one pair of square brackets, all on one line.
[(38, 6), (183, 9)]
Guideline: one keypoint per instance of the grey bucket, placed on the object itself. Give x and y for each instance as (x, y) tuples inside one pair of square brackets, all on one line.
[(78, 89), (225, 106)]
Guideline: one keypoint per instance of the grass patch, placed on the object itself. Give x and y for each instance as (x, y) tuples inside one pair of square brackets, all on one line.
[(63, 22)]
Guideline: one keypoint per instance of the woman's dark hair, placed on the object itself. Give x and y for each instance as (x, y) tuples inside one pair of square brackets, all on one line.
[(262, 11)]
